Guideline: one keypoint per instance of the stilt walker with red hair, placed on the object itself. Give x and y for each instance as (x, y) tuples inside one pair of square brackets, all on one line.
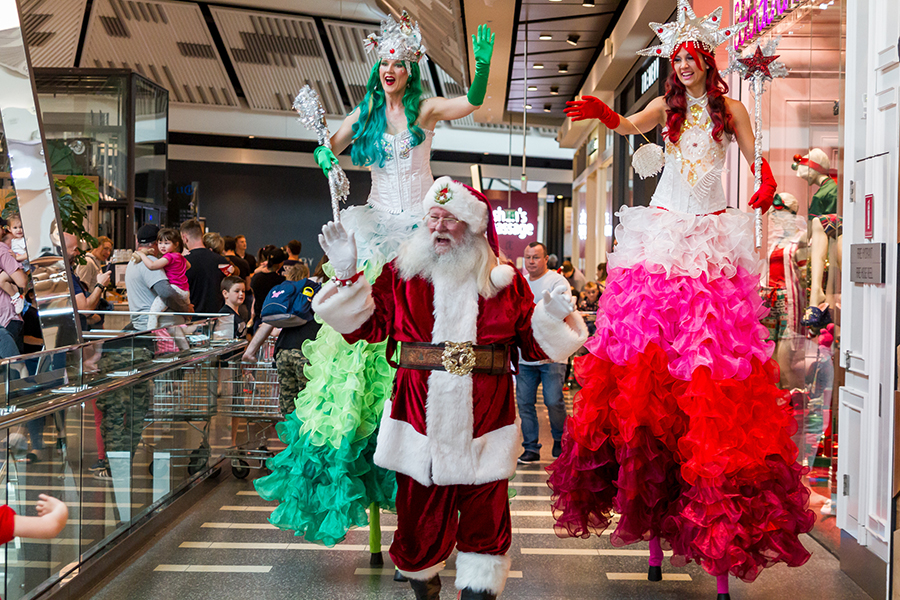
[(679, 426)]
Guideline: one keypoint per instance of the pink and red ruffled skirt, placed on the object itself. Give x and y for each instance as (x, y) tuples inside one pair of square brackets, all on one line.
[(679, 427)]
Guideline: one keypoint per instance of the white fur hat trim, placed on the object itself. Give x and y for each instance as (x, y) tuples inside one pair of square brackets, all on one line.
[(452, 196)]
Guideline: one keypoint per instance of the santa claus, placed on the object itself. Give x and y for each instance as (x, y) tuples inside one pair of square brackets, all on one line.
[(451, 431)]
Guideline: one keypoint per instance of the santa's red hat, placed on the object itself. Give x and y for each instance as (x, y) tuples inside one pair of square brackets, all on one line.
[(470, 206)]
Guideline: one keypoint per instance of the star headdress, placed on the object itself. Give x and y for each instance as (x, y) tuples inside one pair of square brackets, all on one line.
[(687, 27), (399, 40)]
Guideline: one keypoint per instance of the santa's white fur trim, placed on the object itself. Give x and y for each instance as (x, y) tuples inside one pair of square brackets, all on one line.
[(403, 449), (502, 276), (454, 197), (345, 308), (558, 339), (482, 572), (424, 574)]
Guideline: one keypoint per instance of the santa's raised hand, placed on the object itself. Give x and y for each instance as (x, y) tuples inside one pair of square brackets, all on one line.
[(558, 302), (340, 246)]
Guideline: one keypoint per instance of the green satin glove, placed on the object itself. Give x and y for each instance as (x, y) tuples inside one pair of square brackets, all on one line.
[(325, 158), (482, 48)]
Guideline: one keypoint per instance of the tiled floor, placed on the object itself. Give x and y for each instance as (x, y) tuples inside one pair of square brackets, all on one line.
[(224, 549)]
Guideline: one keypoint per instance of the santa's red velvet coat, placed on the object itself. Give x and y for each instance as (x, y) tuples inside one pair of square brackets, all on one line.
[(442, 428)]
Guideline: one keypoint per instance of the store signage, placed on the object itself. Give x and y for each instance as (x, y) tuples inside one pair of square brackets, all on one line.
[(760, 14), (870, 227), (513, 222), (649, 76), (867, 263)]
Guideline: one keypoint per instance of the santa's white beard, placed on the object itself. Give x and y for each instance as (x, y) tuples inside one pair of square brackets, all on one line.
[(464, 260)]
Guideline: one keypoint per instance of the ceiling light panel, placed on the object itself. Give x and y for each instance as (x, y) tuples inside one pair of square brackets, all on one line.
[(52, 31), (275, 55), (168, 42)]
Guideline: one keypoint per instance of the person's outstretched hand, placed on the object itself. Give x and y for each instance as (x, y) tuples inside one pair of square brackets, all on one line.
[(590, 107), (483, 45), (765, 195), (340, 246), (558, 302), (325, 158)]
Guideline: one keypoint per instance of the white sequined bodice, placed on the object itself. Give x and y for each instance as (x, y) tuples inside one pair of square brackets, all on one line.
[(691, 181), (401, 183)]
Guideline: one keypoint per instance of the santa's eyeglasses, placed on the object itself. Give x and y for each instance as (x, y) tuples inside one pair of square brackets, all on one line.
[(448, 221)]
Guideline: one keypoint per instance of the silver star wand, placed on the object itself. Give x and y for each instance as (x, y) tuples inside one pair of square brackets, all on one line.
[(312, 115), (758, 68)]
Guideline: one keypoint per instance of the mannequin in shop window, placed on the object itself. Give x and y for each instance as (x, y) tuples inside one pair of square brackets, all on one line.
[(825, 227), (325, 479), (785, 291), (679, 426)]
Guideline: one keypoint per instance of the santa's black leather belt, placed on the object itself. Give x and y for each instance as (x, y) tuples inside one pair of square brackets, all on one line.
[(457, 358)]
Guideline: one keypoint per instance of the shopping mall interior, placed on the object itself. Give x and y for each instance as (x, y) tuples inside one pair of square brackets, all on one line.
[(647, 384)]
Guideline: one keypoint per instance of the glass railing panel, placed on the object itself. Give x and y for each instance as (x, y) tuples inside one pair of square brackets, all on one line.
[(33, 378), (44, 456)]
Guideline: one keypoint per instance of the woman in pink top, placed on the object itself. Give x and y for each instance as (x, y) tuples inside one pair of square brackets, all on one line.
[(174, 265)]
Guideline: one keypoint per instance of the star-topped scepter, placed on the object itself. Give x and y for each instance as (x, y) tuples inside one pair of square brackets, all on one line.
[(757, 68), (312, 115)]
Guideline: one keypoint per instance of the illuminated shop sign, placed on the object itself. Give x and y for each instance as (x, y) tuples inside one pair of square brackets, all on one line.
[(513, 222), (760, 14), (649, 76)]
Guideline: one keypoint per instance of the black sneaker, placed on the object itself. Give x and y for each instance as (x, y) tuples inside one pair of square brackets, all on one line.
[(99, 465), (528, 457), (103, 475), (557, 448)]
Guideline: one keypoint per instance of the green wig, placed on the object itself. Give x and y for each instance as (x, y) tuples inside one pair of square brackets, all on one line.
[(369, 129)]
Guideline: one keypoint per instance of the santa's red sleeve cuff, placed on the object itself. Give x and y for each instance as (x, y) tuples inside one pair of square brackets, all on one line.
[(345, 308), (7, 524), (558, 339)]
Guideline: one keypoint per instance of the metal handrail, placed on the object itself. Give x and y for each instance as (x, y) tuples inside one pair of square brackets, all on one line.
[(125, 334), (21, 416)]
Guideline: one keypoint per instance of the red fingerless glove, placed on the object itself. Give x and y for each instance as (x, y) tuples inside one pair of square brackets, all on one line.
[(765, 195), (592, 108)]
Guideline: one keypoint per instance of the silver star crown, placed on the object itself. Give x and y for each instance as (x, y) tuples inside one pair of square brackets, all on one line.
[(399, 40), (688, 28)]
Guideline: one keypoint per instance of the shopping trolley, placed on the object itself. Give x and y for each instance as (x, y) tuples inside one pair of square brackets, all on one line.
[(186, 395), (250, 391)]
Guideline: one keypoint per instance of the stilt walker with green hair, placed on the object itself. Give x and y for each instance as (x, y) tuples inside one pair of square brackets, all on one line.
[(325, 480)]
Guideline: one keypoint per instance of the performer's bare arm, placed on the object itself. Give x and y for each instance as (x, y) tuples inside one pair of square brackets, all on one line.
[(344, 135), (646, 120), (743, 130), (444, 109)]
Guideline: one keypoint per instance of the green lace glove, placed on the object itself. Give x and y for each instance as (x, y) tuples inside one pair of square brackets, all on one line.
[(325, 158), (482, 48)]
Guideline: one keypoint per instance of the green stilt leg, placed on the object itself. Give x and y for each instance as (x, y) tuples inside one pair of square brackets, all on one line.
[(375, 535)]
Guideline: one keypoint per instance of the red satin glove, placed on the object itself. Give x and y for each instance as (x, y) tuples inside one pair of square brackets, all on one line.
[(765, 195), (592, 108)]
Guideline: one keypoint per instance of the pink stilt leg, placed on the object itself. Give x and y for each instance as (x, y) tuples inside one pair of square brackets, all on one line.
[(722, 583), (656, 553)]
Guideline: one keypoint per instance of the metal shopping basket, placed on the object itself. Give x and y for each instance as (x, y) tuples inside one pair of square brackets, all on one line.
[(250, 391), (186, 395)]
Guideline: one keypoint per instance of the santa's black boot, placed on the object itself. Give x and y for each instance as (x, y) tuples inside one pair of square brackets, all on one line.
[(427, 590), (468, 594)]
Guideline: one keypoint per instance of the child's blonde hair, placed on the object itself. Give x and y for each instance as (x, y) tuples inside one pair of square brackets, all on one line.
[(296, 272)]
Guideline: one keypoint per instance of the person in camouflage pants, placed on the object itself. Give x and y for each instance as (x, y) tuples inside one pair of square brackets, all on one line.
[(289, 363), (124, 409)]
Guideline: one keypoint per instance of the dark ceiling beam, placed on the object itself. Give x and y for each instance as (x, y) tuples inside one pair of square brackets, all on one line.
[(222, 49), (82, 37), (332, 62), (617, 14), (533, 54), (512, 49)]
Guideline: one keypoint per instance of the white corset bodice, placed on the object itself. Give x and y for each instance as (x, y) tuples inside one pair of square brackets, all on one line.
[(400, 185), (691, 181)]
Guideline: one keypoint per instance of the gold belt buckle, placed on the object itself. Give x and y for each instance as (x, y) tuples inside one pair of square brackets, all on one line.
[(458, 357)]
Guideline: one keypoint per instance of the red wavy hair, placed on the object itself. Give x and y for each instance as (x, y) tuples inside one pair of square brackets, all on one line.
[(676, 96)]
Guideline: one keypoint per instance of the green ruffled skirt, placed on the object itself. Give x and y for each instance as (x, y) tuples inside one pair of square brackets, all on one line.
[(326, 479)]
